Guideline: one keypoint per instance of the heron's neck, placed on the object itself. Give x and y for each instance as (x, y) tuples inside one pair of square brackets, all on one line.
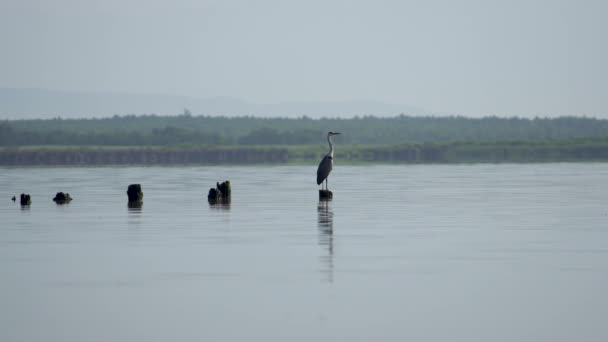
[(331, 146)]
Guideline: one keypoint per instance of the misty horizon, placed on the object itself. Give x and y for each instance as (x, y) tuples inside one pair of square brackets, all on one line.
[(471, 58), (43, 103), (36, 103)]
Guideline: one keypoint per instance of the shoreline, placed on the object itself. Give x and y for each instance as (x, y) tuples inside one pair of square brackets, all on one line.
[(454, 153)]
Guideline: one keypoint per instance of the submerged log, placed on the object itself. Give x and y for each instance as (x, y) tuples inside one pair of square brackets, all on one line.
[(62, 198), (325, 195), (220, 194), (135, 194), (25, 199)]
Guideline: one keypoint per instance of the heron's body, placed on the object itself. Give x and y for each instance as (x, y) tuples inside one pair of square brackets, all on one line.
[(327, 163), (325, 167)]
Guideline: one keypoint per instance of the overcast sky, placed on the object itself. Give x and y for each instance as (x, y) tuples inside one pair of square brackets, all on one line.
[(454, 57)]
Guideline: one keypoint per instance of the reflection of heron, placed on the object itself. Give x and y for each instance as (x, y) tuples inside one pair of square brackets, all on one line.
[(326, 235), (326, 163)]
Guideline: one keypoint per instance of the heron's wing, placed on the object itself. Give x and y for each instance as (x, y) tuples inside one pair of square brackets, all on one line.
[(324, 169)]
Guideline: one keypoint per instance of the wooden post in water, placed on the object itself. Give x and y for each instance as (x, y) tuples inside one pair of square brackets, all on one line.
[(62, 198), (135, 194), (220, 194), (25, 199), (325, 195)]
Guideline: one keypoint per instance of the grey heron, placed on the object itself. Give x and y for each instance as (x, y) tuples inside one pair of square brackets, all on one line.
[(326, 163)]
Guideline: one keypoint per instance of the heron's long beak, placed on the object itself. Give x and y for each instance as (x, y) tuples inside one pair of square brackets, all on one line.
[(336, 133)]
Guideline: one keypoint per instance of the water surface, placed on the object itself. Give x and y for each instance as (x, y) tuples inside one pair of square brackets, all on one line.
[(424, 253)]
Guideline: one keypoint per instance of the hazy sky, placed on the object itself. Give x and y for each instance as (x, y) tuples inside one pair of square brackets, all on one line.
[(454, 57)]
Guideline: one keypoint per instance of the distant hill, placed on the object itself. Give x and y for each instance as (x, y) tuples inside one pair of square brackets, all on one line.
[(44, 104)]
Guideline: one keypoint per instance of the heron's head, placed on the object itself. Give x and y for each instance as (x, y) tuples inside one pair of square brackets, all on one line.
[(332, 133)]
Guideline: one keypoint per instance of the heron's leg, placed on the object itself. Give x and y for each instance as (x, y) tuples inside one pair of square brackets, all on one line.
[(327, 183)]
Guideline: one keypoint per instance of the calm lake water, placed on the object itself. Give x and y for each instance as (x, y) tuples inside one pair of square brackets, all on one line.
[(422, 253)]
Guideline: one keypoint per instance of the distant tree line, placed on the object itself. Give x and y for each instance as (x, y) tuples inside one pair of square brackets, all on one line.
[(152, 130), (511, 152), (142, 156)]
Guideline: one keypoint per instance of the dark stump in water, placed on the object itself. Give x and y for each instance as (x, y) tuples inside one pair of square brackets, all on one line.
[(325, 195), (220, 194), (135, 206), (25, 199), (14, 199), (62, 198), (134, 193)]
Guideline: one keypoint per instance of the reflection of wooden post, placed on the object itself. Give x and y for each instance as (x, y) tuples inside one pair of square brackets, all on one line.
[(61, 198), (26, 199), (135, 194), (220, 194), (325, 195)]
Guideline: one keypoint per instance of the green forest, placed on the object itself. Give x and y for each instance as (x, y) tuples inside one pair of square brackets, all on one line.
[(197, 139), (152, 130)]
